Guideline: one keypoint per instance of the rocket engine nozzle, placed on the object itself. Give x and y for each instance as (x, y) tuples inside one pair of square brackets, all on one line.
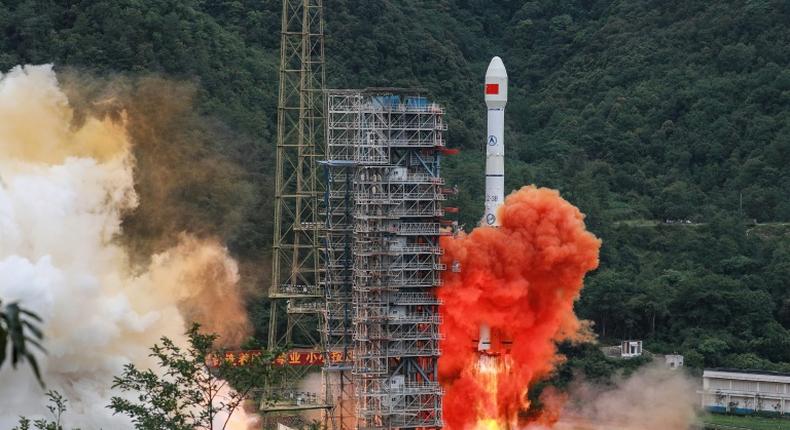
[(492, 342)]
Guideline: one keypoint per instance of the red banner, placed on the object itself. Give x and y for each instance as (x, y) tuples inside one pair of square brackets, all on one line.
[(290, 358)]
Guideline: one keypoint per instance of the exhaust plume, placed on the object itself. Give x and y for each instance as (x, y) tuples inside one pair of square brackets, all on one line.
[(64, 186), (520, 279), (654, 398)]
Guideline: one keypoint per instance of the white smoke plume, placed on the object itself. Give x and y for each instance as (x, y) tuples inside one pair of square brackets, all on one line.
[(63, 192), (653, 398)]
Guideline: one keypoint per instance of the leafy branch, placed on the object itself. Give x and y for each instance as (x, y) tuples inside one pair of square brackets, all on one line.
[(17, 329), (188, 391)]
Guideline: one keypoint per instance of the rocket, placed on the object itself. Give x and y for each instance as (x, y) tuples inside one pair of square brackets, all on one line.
[(496, 99)]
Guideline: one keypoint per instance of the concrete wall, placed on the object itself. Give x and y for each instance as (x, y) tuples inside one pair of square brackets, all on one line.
[(740, 392)]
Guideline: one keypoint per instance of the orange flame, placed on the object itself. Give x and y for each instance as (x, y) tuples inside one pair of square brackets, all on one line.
[(521, 279), (489, 372)]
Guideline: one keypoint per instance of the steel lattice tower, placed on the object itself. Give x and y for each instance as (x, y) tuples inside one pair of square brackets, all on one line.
[(296, 290), (296, 262)]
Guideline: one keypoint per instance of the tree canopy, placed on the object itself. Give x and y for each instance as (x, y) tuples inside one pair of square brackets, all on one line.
[(666, 122)]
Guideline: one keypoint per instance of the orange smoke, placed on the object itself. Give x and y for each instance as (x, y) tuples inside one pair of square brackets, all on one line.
[(203, 280), (521, 279)]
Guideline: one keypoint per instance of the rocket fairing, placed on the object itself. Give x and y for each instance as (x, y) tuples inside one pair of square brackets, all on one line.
[(496, 99)]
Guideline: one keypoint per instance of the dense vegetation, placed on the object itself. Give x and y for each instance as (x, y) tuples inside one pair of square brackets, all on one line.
[(640, 112)]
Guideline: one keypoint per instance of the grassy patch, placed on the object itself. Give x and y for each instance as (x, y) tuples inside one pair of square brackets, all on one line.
[(751, 423)]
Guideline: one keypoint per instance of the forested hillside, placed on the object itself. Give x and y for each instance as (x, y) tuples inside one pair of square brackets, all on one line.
[(639, 112)]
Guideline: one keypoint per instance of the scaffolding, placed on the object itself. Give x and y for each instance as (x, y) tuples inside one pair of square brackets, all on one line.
[(383, 203)]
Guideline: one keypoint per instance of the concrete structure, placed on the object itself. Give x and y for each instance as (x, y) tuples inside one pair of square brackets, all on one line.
[(673, 361), (744, 392), (383, 222), (631, 348)]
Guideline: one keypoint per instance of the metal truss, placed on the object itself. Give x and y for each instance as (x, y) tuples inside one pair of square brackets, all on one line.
[(383, 208), (296, 290)]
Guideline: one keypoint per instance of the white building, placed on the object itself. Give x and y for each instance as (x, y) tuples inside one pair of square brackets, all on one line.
[(743, 391), (631, 348), (674, 361)]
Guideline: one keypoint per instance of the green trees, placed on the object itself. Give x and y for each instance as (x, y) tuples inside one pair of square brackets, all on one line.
[(710, 292), (638, 112), (56, 407), (193, 388), (189, 391)]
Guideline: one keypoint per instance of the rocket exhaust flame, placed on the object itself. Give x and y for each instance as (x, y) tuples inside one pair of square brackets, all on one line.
[(520, 280)]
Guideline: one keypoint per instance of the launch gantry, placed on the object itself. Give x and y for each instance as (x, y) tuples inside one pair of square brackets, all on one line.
[(383, 222), (357, 221)]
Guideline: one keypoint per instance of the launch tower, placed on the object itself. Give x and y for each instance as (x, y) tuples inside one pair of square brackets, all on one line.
[(383, 200), (296, 289)]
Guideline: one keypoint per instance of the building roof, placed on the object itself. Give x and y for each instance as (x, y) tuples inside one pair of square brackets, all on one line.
[(747, 374)]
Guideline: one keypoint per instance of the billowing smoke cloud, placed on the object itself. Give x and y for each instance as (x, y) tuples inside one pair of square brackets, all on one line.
[(521, 279), (654, 398), (199, 276), (63, 191)]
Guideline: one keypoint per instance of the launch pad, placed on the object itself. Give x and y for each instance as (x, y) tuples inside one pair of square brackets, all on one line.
[(358, 217)]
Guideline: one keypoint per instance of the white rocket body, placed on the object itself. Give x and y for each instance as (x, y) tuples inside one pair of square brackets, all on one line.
[(496, 99)]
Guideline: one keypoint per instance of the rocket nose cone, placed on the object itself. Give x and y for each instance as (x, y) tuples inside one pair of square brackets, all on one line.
[(496, 84), (496, 69)]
